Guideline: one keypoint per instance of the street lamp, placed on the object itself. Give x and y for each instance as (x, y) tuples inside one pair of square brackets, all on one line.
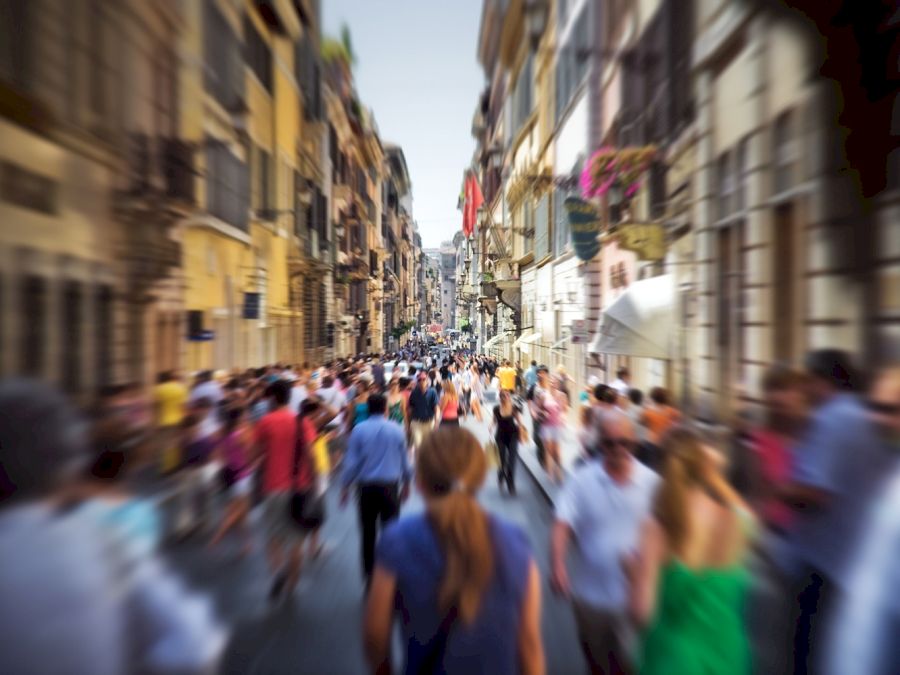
[(535, 21)]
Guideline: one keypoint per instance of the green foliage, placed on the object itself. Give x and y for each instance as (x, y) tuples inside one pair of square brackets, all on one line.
[(334, 49), (402, 328)]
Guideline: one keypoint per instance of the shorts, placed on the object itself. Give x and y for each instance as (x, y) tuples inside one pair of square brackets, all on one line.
[(606, 636), (278, 522), (242, 487), (550, 434)]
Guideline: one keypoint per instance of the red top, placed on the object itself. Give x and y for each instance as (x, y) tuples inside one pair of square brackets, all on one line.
[(450, 409), (774, 460), (276, 436)]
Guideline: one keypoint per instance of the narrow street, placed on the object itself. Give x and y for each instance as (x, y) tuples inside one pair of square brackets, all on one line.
[(318, 630)]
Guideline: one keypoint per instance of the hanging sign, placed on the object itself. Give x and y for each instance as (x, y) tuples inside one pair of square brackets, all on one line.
[(579, 332), (647, 240), (584, 224)]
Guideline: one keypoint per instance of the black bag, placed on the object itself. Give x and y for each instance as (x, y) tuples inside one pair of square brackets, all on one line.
[(306, 508)]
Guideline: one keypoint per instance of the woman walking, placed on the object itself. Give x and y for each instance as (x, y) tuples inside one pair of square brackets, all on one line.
[(689, 581), (507, 422), (237, 476), (449, 405), (358, 408), (463, 582), (550, 405), (397, 403)]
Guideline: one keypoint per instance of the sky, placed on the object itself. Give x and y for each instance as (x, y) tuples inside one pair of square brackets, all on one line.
[(417, 70)]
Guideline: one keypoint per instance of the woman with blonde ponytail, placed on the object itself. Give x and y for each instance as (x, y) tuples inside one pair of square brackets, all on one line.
[(462, 581), (688, 581)]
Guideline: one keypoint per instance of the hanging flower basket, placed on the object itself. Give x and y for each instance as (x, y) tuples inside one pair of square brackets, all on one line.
[(609, 166)]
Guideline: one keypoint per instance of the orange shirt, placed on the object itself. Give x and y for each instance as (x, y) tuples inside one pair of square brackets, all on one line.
[(658, 421)]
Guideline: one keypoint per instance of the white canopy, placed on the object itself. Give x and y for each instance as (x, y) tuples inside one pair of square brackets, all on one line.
[(640, 321), (490, 343), (526, 340)]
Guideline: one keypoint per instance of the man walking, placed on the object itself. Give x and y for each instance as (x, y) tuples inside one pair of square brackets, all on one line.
[(599, 513), (275, 440), (377, 463), (423, 410), (507, 375), (531, 376)]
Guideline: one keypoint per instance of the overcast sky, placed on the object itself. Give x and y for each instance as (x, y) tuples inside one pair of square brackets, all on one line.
[(418, 72)]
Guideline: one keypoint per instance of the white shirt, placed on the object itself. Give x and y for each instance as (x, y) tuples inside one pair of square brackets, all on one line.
[(605, 518), (621, 386), (298, 396), (336, 399)]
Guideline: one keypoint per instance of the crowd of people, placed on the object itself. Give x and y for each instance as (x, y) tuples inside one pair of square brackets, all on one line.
[(653, 528)]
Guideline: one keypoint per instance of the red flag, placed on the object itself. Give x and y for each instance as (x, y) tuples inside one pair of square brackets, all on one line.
[(474, 200)]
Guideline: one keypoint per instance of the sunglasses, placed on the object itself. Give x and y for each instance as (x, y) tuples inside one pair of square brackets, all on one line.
[(882, 408), (624, 443)]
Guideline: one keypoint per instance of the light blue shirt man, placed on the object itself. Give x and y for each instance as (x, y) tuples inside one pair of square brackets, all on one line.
[(376, 453), (531, 377)]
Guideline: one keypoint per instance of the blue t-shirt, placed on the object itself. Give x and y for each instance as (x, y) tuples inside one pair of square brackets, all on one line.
[(409, 550)]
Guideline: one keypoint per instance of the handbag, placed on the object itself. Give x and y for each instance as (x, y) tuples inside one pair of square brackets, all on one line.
[(306, 508)]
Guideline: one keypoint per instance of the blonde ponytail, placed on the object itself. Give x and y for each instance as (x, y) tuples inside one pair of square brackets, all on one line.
[(452, 467)]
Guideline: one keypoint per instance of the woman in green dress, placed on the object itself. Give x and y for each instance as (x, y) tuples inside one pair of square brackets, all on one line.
[(689, 582)]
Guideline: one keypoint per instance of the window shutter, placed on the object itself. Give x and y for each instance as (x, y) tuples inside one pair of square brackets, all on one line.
[(542, 228)]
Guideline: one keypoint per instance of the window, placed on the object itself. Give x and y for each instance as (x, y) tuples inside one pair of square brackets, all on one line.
[(309, 77), (257, 54), (726, 187), (223, 75), (227, 185), (560, 222), (542, 228), (741, 172), (72, 328), (27, 189), (656, 184), (34, 308), (263, 186), (573, 62), (523, 100), (784, 152), (103, 350)]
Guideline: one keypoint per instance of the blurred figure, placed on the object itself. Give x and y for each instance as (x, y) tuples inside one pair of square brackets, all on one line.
[(660, 415), (449, 405), (531, 377), (688, 581), (377, 464), (206, 388), (866, 621), (79, 596), (508, 430), (548, 405), (275, 440), (197, 472), (773, 444), (507, 375), (396, 402), (622, 383), (358, 407), (563, 382), (236, 477), (170, 397), (840, 463), (463, 582), (424, 407), (599, 514)]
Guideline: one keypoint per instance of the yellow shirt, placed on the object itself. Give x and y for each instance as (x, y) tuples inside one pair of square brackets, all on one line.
[(170, 399), (507, 378)]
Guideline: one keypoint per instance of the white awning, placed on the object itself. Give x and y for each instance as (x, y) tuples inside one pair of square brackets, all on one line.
[(525, 341), (639, 322), (493, 341), (557, 346)]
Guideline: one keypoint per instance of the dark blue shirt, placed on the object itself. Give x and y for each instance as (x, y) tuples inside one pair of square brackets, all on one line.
[(422, 404), (410, 551)]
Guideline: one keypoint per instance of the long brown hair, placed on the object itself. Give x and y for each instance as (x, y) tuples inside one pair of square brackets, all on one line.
[(449, 389), (683, 468), (451, 466)]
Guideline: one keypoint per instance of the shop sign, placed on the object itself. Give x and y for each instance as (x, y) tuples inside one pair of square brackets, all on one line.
[(584, 224), (579, 332), (647, 240)]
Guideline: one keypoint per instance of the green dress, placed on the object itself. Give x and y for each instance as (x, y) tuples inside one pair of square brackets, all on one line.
[(699, 624), (395, 414)]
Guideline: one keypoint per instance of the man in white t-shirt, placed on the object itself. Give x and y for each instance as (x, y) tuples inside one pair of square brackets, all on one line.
[(622, 383), (599, 514)]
